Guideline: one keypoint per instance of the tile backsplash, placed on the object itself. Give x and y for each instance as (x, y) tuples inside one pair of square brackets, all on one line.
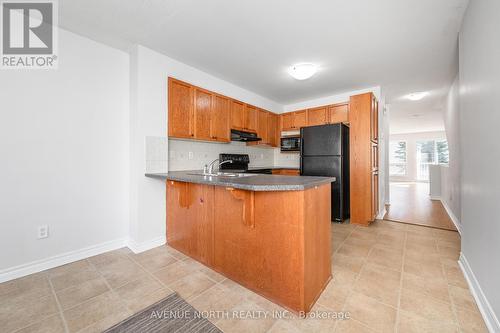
[(291, 159), (193, 155), (156, 151)]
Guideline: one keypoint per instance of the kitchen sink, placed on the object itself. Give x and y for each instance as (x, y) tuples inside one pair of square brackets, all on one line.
[(224, 174)]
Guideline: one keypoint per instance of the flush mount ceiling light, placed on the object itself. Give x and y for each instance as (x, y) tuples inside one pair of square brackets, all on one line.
[(417, 96), (303, 71)]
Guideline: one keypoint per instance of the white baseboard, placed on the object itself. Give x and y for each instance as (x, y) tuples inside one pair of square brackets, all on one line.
[(452, 216), (435, 197), (147, 245), (58, 260), (489, 316)]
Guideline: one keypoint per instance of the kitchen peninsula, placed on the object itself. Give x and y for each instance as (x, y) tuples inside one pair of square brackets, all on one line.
[(270, 233)]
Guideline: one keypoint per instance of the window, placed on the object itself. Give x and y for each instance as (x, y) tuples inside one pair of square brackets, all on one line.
[(430, 152), (442, 152), (397, 158)]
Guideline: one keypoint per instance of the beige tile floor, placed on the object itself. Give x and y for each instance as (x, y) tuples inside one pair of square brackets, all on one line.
[(389, 277)]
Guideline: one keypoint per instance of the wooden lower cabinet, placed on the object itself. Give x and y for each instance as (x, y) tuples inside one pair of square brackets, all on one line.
[(274, 243), (286, 172)]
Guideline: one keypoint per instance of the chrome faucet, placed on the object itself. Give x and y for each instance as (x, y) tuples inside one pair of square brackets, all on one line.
[(210, 169)]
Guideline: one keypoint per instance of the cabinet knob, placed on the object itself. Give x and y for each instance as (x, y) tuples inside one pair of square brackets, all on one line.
[(201, 200)]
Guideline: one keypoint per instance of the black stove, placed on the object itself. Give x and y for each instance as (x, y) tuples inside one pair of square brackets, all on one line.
[(240, 164)]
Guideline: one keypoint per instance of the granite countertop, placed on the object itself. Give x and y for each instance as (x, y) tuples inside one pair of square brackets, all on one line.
[(255, 182)]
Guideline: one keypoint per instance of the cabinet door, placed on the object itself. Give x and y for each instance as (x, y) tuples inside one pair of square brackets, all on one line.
[(190, 219), (202, 114), (180, 109), (287, 121), (317, 116), (300, 119), (374, 120), (251, 118), (221, 113), (272, 129), (237, 114), (262, 126), (339, 113)]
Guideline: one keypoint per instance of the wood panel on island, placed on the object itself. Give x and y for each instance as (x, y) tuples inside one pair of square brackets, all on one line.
[(233, 231)]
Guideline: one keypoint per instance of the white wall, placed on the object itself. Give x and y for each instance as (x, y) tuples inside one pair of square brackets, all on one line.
[(450, 180), (332, 99), (64, 151), (411, 149), (480, 156)]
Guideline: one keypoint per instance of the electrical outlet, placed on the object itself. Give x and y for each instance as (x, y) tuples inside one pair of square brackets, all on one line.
[(43, 231), (190, 155)]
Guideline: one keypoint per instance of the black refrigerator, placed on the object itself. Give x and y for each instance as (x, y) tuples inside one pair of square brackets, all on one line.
[(324, 151)]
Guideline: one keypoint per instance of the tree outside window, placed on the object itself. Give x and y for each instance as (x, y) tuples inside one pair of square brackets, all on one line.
[(397, 158), (430, 152)]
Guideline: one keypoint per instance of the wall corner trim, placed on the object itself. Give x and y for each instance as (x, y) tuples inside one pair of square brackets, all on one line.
[(381, 215), (147, 245), (490, 318), (60, 259), (452, 216)]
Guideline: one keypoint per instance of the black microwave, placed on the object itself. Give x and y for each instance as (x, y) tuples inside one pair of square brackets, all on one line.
[(290, 143)]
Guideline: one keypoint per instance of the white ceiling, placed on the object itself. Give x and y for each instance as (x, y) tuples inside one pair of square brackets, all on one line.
[(402, 45)]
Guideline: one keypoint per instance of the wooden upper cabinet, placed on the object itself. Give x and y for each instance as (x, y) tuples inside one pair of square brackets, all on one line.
[(317, 116), (197, 113), (250, 118), (338, 113), (262, 124), (287, 121), (300, 119), (202, 113), (221, 114), (272, 129), (180, 109), (237, 114), (293, 120)]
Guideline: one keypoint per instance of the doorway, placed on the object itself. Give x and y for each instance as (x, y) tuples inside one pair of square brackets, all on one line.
[(410, 158)]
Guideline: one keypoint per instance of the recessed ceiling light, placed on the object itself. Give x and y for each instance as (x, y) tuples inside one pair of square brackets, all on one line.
[(417, 96), (303, 71)]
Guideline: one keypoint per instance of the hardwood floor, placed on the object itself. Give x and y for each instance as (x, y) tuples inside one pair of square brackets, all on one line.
[(410, 203)]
